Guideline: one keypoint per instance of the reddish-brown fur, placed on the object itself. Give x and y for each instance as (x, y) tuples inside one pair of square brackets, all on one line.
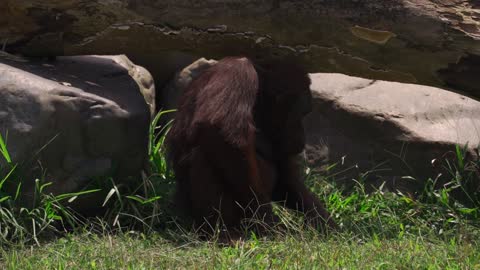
[(235, 139)]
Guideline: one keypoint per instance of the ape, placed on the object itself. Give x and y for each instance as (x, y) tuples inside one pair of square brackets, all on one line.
[(235, 139)]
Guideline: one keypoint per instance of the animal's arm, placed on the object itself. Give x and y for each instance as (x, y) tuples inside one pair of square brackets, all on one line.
[(293, 192)]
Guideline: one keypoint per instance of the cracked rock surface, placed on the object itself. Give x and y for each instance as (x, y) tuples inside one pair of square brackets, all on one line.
[(80, 118), (431, 42)]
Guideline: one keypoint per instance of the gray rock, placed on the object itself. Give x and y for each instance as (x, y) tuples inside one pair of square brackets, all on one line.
[(75, 119), (388, 129)]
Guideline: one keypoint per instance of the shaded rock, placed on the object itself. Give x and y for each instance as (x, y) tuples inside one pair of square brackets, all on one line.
[(414, 41), (75, 119), (141, 76)]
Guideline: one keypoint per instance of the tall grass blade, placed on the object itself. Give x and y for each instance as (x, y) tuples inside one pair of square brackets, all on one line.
[(4, 150), (460, 157), (7, 176)]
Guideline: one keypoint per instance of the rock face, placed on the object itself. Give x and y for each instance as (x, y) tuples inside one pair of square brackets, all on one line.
[(75, 118), (387, 130), (430, 42)]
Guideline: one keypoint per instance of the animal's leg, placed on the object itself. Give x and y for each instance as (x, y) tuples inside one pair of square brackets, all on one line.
[(237, 171), (210, 201)]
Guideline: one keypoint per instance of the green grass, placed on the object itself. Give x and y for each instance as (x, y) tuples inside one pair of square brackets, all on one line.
[(289, 252), (379, 229)]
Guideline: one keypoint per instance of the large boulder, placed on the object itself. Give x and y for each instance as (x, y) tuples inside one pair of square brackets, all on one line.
[(388, 130), (75, 119), (432, 42)]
